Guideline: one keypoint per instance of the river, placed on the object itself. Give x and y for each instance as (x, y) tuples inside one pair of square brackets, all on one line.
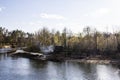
[(18, 68)]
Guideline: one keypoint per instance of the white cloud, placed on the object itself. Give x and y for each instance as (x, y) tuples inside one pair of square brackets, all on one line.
[(1, 9), (51, 16), (99, 12)]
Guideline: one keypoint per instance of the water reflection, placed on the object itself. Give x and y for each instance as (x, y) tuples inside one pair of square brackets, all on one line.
[(16, 68), (55, 71), (5, 50), (74, 72), (107, 72)]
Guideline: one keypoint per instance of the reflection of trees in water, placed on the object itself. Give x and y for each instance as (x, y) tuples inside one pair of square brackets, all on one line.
[(107, 72), (117, 66), (38, 64), (3, 56), (73, 71), (55, 71), (76, 70), (89, 70)]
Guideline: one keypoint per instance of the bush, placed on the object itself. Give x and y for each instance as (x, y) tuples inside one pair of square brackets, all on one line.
[(33, 48)]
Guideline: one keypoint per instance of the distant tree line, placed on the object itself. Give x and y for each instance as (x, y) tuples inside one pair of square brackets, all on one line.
[(89, 42), (15, 38)]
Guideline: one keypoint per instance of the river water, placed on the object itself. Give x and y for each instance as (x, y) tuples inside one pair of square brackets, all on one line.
[(17, 68)]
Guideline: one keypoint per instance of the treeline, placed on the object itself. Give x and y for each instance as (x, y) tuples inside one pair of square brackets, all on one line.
[(89, 42), (15, 38)]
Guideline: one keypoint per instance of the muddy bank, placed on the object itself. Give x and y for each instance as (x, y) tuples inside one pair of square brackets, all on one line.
[(95, 61), (61, 57)]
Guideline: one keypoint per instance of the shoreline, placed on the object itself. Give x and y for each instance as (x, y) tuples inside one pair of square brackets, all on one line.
[(95, 61), (42, 57), (89, 61)]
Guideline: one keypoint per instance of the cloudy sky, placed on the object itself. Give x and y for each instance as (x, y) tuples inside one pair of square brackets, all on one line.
[(31, 15)]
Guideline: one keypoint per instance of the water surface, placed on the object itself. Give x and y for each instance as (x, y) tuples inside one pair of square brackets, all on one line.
[(17, 68)]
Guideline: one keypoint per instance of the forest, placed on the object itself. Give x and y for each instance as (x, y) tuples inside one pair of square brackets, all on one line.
[(89, 42)]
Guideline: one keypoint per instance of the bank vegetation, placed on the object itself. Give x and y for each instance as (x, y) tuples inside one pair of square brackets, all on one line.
[(89, 43)]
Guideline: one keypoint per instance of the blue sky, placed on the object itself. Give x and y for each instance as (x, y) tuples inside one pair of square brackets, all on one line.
[(32, 15)]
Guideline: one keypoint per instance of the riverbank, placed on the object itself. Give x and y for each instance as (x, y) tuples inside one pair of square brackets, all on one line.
[(95, 61), (49, 58), (61, 57)]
